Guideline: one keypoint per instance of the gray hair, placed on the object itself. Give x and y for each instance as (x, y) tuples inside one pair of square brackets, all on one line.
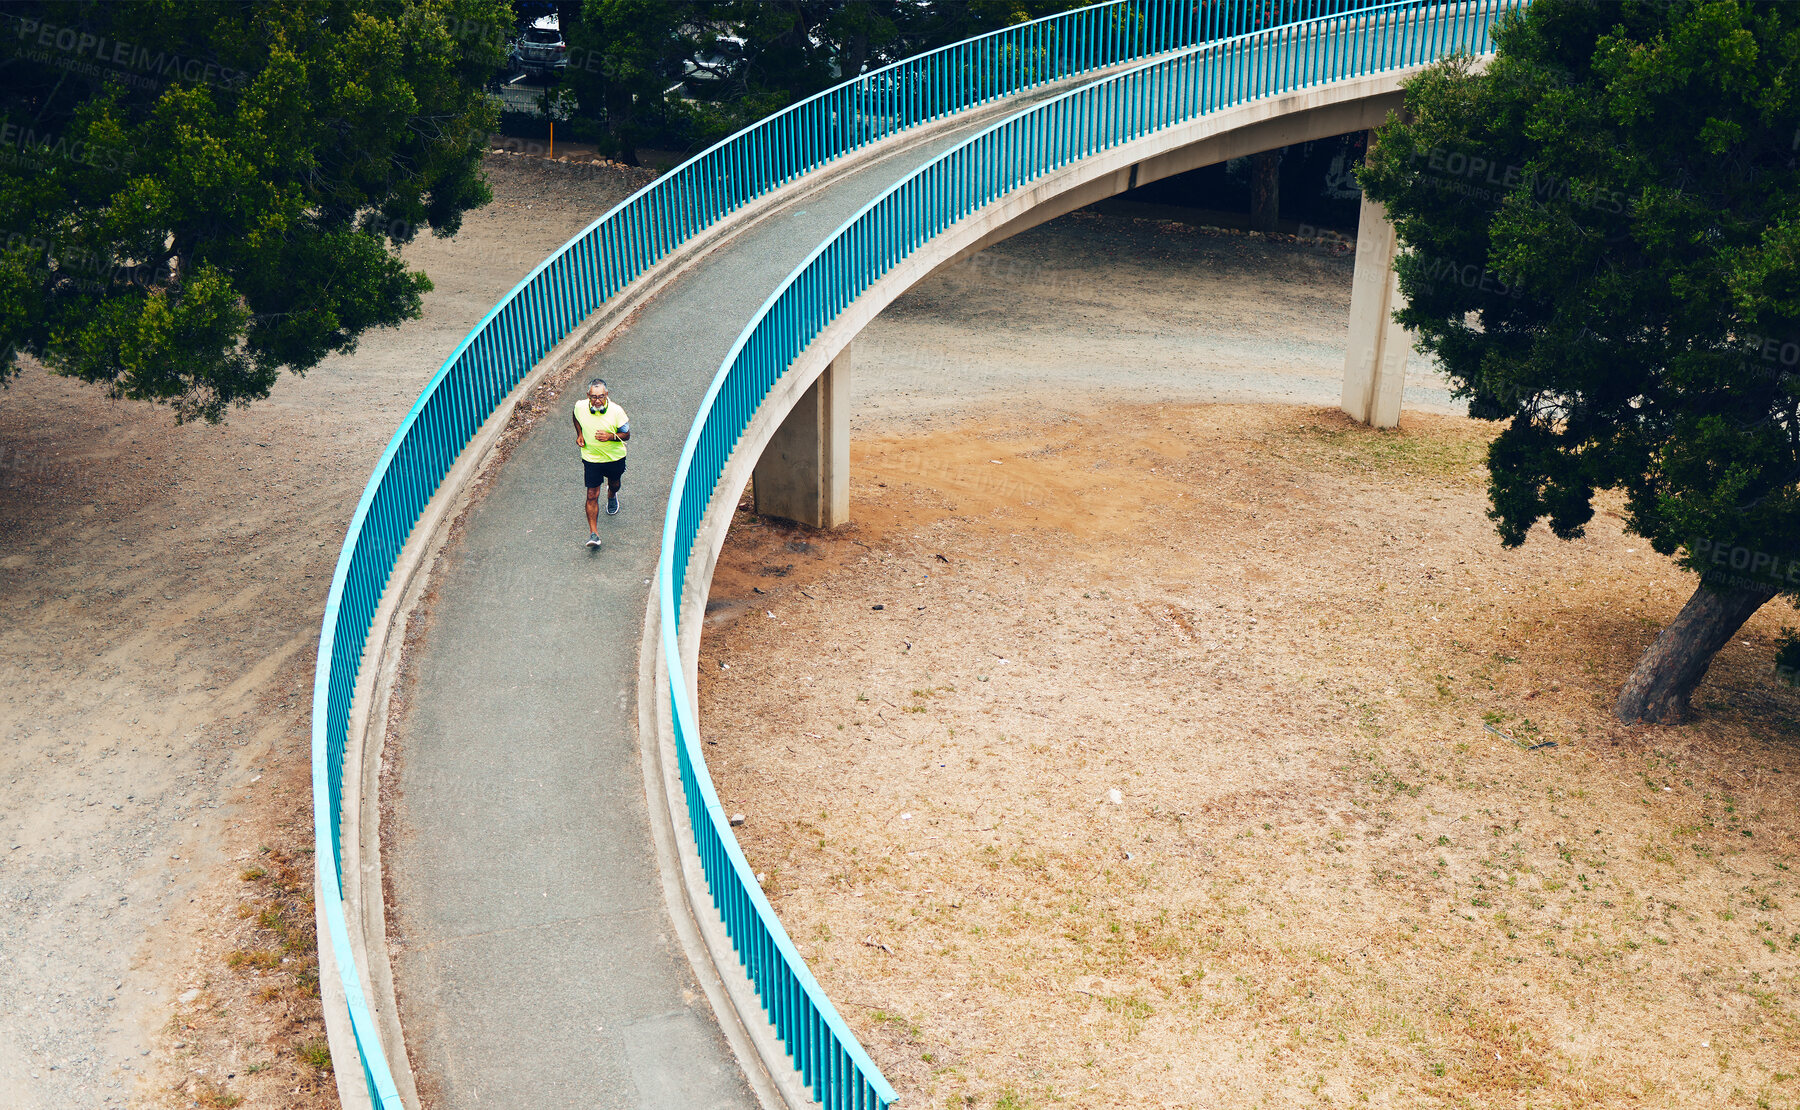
[(601, 382)]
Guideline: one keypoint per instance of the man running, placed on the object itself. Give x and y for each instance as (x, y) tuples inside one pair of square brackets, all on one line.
[(601, 431)]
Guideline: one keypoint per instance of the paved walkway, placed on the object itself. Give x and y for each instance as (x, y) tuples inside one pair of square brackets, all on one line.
[(536, 963)]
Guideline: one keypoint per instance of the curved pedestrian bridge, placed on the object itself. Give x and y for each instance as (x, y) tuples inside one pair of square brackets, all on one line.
[(547, 906)]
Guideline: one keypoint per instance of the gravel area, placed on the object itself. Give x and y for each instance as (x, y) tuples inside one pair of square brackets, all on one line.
[(163, 587)]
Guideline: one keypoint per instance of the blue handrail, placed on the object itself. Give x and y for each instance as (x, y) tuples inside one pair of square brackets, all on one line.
[(1347, 42), (595, 266)]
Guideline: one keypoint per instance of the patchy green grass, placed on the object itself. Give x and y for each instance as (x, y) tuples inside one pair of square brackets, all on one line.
[(314, 1054)]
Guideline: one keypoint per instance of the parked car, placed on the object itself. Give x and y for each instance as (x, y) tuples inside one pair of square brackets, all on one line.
[(716, 62), (540, 49)]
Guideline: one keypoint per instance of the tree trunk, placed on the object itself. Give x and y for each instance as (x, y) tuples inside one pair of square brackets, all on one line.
[(1673, 665), (1265, 190), (621, 122), (855, 57)]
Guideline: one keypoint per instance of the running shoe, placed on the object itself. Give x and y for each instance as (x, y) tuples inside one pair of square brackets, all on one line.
[(612, 505), (593, 539)]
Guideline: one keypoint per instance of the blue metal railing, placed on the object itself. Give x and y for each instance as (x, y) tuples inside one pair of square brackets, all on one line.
[(1348, 42), (606, 258)]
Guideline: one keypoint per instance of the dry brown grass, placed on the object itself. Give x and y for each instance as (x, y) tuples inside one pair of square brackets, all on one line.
[(1280, 638), (252, 1034)]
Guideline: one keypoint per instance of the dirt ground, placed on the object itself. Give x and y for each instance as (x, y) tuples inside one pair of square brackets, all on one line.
[(1224, 758), (163, 587)]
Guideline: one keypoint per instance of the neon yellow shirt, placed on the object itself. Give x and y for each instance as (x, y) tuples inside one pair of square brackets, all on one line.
[(592, 423)]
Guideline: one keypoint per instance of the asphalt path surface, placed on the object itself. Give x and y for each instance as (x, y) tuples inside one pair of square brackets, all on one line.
[(536, 964)]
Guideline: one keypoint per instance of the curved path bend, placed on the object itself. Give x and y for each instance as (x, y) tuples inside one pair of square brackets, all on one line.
[(533, 952), (537, 952)]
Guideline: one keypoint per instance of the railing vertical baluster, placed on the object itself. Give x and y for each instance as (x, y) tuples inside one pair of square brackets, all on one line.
[(1295, 69), (557, 306), (1384, 42), (1267, 71), (1318, 70), (1275, 41), (1360, 43)]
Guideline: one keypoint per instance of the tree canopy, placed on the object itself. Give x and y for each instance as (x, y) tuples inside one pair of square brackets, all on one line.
[(1623, 180), (195, 196), (685, 73)]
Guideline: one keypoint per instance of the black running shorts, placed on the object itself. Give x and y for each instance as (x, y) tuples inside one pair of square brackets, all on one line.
[(599, 472)]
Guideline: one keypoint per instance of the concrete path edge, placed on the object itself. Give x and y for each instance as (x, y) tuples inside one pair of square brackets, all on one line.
[(753, 1038)]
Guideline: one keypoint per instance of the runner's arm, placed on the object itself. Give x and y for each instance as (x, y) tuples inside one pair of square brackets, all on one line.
[(580, 440)]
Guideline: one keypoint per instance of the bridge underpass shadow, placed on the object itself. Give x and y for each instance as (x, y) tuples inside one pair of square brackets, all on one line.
[(1092, 307)]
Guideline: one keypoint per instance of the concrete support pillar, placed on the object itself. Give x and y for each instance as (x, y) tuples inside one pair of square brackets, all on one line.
[(1375, 358), (804, 473)]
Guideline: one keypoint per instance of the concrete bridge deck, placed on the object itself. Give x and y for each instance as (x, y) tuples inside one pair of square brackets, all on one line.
[(533, 952)]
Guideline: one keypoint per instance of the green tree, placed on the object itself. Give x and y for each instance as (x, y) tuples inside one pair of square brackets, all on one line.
[(794, 48), (687, 72), (1602, 234), (195, 196), (625, 59)]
